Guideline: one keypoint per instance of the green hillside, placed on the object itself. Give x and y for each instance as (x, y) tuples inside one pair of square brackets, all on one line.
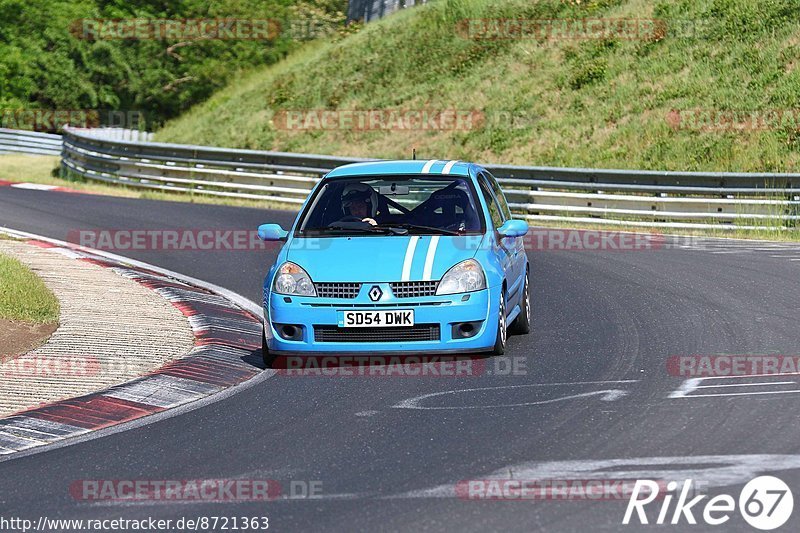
[(630, 101)]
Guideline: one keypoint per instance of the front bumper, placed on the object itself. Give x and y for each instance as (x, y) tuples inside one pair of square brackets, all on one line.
[(481, 307)]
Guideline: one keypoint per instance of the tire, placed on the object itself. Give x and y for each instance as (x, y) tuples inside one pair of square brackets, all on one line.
[(502, 327), (267, 357), (522, 324)]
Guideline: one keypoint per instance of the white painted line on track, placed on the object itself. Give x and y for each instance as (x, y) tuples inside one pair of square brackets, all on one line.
[(34, 186), (713, 470), (693, 384), (746, 385), (748, 376), (607, 395), (756, 393)]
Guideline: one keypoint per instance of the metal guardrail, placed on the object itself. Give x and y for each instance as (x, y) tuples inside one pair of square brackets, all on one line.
[(119, 134), (616, 197), (29, 142), (369, 10), (33, 142)]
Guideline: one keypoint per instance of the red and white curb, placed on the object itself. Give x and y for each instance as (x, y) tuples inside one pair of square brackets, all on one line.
[(226, 339)]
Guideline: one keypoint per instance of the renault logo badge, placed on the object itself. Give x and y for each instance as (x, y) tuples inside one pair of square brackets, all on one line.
[(375, 293)]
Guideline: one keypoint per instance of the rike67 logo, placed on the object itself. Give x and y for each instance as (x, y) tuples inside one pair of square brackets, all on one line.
[(765, 503)]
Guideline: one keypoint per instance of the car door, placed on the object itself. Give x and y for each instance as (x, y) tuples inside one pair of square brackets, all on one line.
[(506, 210), (504, 247)]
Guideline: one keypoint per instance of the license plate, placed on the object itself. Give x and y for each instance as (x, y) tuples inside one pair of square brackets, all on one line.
[(376, 319)]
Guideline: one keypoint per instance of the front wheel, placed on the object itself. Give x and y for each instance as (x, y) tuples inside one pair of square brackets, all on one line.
[(522, 324), (502, 330)]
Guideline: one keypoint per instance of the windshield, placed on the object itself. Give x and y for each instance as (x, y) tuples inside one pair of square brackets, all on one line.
[(393, 205)]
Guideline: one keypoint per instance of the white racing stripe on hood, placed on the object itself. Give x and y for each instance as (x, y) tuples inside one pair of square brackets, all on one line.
[(412, 245), (430, 257)]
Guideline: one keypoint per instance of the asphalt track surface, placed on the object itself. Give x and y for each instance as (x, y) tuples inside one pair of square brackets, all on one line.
[(603, 321)]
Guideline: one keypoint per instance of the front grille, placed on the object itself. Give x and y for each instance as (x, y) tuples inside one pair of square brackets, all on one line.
[(337, 290), (374, 306), (419, 332), (413, 289)]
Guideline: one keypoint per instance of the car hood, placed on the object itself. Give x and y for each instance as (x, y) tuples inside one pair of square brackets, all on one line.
[(381, 258)]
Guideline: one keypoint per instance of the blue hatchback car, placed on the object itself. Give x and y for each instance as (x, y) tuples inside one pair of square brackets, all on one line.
[(398, 257)]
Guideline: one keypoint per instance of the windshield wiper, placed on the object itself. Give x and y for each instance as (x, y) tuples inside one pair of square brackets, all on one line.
[(417, 227), (346, 228)]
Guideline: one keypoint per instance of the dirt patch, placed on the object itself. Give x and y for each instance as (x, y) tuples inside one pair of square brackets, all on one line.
[(18, 338)]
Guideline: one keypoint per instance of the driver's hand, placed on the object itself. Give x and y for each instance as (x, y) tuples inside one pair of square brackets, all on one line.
[(370, 221)]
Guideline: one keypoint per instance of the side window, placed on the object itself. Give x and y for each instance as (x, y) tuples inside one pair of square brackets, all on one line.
[(501, 198), (491, 201), (315, 211)]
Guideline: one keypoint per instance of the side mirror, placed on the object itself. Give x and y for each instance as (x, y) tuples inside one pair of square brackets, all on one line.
[(513, 228), (272, 232)]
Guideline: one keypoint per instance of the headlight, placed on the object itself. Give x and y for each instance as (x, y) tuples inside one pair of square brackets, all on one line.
[(291, 279), (467, 276)]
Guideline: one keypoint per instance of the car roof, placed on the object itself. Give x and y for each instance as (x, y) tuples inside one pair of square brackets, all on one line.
[(432, 167)]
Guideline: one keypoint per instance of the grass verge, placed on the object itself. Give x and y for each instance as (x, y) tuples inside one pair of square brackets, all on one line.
[(23, 296)]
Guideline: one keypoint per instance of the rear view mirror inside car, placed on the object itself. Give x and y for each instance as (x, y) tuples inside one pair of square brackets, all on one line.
[(393, 190)]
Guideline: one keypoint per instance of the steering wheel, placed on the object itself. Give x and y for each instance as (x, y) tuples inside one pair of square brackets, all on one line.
[(350, 221), (455, 226)]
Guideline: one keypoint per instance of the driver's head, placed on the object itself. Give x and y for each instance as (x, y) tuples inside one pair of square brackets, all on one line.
[(358, 199)]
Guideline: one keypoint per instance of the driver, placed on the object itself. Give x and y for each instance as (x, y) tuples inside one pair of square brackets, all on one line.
[(359, 200)]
